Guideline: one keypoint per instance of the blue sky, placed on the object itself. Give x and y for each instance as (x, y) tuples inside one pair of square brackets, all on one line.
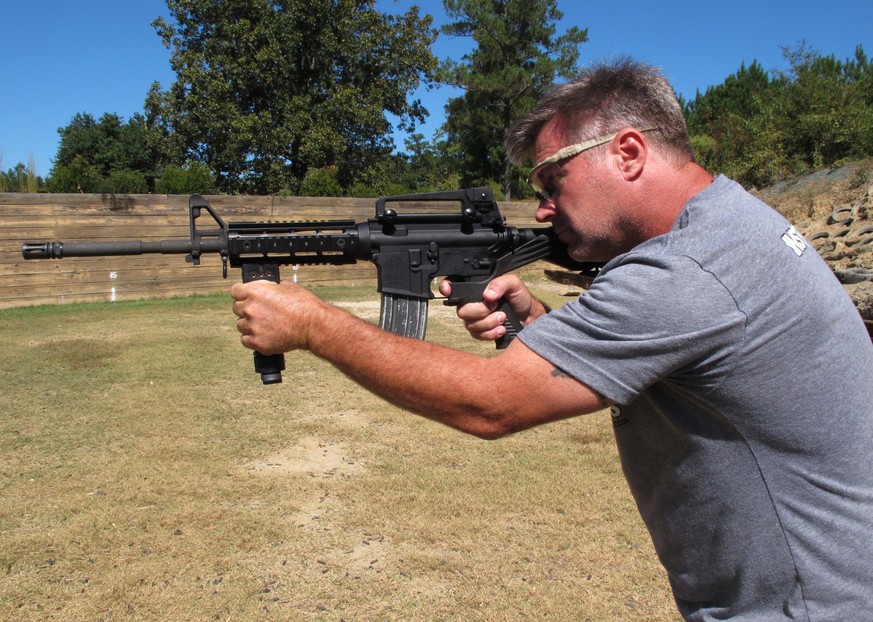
[(58, 58)]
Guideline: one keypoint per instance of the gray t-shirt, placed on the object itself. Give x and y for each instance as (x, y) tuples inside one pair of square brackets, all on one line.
[(744, 381)]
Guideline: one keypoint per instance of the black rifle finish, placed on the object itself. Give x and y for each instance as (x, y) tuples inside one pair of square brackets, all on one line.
[(470, 247)]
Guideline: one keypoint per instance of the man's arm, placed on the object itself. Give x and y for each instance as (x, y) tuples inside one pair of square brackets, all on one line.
[(488, 397)]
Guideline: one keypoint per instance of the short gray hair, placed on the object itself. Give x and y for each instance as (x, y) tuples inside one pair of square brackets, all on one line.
[(603, 99)]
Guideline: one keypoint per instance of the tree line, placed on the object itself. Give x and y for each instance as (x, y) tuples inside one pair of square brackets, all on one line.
[(758, 127), (302, 97)]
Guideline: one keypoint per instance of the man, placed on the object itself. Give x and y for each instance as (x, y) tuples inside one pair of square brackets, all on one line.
[(738, 372)]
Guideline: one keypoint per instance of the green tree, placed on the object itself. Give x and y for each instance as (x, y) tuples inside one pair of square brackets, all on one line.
[(321, 182), (76, 176), (123, 181), (737, 127), (109, 155), (516, 56), (192, 178), (429, 166), (267, 90), (21, 178), (80, 139), (757, 128), (829, 106)]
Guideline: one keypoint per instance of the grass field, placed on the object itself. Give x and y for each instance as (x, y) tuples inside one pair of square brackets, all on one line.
[(146, 474)]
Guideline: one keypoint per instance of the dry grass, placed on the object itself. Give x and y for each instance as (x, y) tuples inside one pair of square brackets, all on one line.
[(146, 474)]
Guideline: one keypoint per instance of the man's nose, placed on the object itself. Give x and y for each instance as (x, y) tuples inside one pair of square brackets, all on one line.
[(546, 211)]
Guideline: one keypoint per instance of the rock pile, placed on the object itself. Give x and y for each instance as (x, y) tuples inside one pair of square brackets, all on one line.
[(845, 241)]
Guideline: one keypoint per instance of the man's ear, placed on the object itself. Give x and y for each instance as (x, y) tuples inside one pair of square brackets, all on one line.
[(631, 150)]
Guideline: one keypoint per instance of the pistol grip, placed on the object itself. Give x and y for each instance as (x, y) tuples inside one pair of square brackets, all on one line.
[(463, 292), (512, 325), (269, 366)]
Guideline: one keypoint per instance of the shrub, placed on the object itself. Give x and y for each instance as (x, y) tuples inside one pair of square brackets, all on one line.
[(193, 178)]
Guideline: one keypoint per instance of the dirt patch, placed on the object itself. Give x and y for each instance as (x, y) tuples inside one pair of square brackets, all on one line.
[(328, 461), (317, 459), (310, 456)]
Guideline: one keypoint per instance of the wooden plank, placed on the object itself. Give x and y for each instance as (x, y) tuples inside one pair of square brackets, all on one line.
[(121, 272), (44, 297), (58, 271), (29, 211)]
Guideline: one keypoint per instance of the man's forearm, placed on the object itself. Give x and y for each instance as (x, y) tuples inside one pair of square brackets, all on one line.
[(419, 376), (485, 396), (488, 397)]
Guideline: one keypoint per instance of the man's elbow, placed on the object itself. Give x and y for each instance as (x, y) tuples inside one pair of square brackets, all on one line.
[(490, 425), (489, 433)]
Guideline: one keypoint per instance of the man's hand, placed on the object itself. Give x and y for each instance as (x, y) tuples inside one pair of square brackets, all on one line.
[(275, 317), (483, 320)]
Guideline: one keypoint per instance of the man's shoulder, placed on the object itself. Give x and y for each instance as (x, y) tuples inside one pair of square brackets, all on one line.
[(729, 206)]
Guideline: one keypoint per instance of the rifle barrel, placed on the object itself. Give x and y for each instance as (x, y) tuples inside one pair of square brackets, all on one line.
[(59, 250)]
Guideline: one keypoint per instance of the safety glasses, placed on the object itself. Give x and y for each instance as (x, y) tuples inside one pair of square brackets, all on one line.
[(534, 178)]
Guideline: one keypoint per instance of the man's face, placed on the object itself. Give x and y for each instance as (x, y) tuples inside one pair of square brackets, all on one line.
[(584, 198)]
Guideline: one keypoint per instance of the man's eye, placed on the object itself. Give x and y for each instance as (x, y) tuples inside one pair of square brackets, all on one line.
[(552, 176), (551, 184)]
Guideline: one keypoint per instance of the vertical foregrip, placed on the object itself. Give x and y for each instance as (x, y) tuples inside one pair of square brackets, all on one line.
[(269, 366)]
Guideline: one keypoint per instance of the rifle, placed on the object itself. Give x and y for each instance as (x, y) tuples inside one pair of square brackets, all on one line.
[(470, 247)]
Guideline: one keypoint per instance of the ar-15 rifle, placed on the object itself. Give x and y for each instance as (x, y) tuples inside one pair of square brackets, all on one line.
[(470, 247)]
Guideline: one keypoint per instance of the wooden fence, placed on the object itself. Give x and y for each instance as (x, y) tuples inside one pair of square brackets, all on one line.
[(89, 217)]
